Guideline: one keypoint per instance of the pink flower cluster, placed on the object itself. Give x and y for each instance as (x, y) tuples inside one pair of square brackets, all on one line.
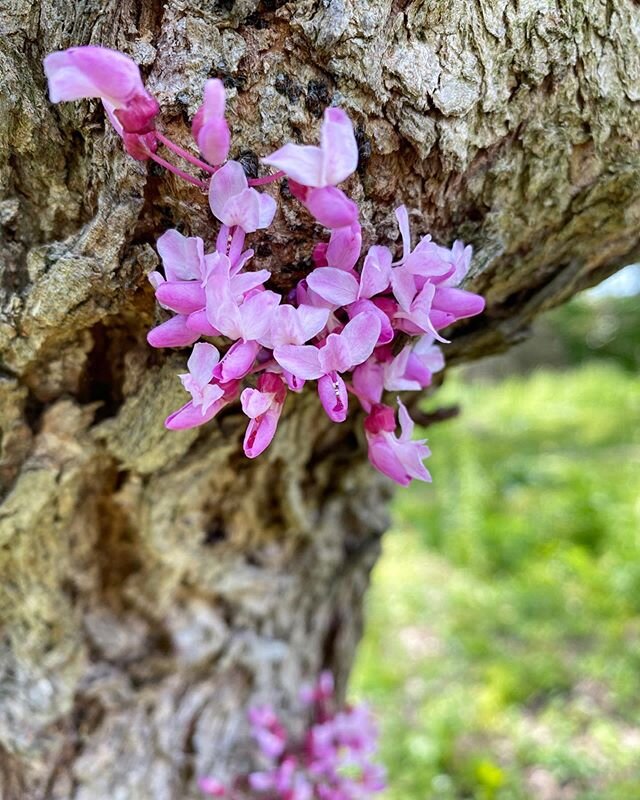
[(360, 324), (334, 760)]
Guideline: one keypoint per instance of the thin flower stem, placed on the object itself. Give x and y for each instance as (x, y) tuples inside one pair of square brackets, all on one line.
[(184, 175), (267, 179), (180, 151)]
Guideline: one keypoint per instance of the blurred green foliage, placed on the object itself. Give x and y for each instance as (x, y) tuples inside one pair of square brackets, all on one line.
[(502, 650)]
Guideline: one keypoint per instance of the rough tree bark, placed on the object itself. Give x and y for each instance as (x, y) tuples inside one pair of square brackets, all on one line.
[(153, 584)]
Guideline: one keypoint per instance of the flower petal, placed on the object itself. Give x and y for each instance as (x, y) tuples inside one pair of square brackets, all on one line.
[(331, 207), (303, 361), (226, 183), (303, 163), (172, 333), (339, 147), (182, 256), (361, 336), (202, 361), (334, 285)]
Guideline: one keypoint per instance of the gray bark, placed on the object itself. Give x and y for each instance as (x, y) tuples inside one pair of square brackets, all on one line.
[(154, 584)]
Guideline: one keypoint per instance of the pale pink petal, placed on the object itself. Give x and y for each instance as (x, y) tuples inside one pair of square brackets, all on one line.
[(300, 162), (267, 208), (386, 328), (335, 356), (333, 396), (92, 72), (361, 335), (224, 317), (312, 321), (331, 207), (172, 333), (430, 354), (214, 98), (244, 210), (339, 147), (229, 181), (406, 423), (255, 402), (383, 457), (255, 314), (155, 278), (245, 281), (403, 223), (300, 360), (404, 287), (182, 256), (202, 362), (334, 285), (376, 272), (461, 258), (411, 455), (395, 377), (344, 247)]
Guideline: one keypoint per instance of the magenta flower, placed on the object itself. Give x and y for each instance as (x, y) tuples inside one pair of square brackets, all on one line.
[(209, 127), (339, 320), (327, 165), (340, 353), (263, 406), (233, 202), (397, 457), (81, 72)]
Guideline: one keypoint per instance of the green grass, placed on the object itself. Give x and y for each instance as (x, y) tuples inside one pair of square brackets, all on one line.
[(502, 650)]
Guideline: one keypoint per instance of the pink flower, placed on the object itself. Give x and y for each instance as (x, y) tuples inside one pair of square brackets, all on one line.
[(99, 72), (235, 203), (397, 457), (340, 287), (327, 165), (182, 256), (340, 353), (268, 731), (210, 129), (191, 415), (201, 366), (263, 406)]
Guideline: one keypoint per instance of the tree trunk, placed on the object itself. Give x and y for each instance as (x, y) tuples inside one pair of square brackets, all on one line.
[(154, 584)]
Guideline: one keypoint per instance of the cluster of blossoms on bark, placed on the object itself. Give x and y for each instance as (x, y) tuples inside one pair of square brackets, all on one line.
[(334, 760), (360, 324)]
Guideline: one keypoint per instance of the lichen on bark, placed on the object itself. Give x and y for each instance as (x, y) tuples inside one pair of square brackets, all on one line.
[(152, 584)]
